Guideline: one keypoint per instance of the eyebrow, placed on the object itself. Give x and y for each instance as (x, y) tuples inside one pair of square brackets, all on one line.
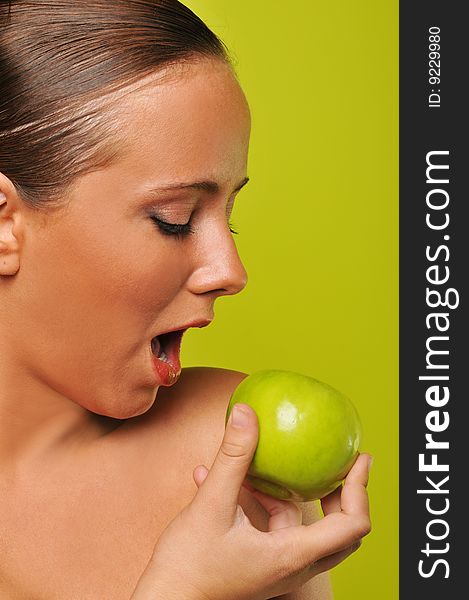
[(210, 187)]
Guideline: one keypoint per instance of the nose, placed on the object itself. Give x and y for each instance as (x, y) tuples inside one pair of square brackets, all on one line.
[(218, 270)]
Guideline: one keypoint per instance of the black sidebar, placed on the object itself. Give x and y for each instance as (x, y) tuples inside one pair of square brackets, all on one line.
[(434, 257)]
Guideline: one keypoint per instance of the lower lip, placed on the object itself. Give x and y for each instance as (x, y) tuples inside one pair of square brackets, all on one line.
[(167, 373)]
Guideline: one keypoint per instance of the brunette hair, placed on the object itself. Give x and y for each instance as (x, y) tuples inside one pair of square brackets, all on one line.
[(62, 63)]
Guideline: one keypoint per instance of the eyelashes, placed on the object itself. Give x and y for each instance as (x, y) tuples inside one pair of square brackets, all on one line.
[(179, 230)]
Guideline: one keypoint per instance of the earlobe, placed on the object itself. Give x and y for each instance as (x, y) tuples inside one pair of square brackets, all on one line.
[(9, 246), (9, 259)]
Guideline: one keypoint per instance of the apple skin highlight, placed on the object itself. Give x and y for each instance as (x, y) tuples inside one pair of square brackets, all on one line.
[(309, 434)]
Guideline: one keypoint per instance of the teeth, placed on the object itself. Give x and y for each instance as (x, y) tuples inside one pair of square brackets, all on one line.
[(163, 356)]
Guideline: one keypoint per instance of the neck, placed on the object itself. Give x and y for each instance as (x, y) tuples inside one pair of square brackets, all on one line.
[(38, 424)]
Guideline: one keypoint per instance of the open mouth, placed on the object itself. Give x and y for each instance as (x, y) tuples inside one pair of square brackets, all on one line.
[(165, 345), (165, 349)]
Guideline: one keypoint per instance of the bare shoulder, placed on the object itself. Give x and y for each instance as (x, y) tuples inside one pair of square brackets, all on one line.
[(202, 395), (215, 384), (188, 419), (200, 392)]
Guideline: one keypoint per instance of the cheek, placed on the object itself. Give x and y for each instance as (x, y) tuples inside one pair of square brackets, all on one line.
[(130, 268), (152, 284), (89, 307), (100, 284)]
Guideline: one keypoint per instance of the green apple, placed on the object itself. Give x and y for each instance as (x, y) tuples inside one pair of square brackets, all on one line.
[(309, 434)]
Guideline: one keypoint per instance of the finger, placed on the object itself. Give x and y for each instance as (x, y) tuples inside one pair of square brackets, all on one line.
[(337, 530), (223, 482), (354, 499), (200, 474), (282, 513), (331, 502), (361, 469)]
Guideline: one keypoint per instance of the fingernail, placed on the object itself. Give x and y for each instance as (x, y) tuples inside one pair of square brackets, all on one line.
[(370, 462), (239, 418)]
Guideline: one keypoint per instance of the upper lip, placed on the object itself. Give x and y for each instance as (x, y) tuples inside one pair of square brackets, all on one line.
[(199, 323)]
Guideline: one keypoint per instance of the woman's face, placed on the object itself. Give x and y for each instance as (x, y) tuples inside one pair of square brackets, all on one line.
[(102, 278)]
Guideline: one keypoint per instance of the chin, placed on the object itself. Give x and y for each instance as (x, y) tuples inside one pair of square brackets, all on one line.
[(127, 410)]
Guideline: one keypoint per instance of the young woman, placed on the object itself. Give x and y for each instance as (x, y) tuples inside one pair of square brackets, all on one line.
[(123, 143)]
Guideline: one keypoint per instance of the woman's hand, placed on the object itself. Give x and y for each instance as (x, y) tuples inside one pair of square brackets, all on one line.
[(210, 551)]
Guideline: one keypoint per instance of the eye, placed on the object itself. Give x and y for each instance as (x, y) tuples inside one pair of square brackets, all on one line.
[(180, 230)]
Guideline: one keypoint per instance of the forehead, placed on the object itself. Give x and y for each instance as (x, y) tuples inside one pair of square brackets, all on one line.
[(194, 120)]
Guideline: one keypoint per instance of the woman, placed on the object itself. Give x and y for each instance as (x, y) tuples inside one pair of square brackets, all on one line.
[(123, 143)]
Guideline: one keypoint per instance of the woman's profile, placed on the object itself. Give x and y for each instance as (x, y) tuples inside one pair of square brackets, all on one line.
[(124, 138)]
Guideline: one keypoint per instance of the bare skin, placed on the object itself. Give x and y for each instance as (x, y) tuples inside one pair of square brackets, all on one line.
[(95, 457), (96, 517)]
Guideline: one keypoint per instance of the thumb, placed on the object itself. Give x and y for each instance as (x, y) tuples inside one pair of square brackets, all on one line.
[(224, 480)]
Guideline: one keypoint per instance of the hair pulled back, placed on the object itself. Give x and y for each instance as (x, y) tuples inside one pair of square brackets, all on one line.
[(60, 62)]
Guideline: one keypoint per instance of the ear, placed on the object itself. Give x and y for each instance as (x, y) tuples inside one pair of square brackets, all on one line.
[(10, 218)]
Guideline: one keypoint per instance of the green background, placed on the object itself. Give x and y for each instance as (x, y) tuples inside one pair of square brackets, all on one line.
[(318, 228)]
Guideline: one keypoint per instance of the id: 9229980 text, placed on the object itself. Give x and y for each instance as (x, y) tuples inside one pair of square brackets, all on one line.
[(434, 79)]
